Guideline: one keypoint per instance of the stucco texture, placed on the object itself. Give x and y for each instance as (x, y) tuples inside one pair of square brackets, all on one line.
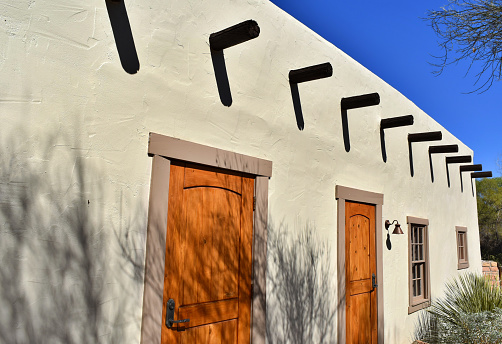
[(78, 101)]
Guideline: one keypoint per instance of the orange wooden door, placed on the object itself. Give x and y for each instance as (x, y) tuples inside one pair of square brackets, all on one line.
[(208, 256), (360, 267)]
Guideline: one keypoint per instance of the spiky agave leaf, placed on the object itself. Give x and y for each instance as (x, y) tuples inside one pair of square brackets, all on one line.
[(469, 293), (470, 312)]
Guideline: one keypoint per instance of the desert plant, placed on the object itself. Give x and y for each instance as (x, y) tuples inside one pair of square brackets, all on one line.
[(468, 293), (470, 312), (479, 328)]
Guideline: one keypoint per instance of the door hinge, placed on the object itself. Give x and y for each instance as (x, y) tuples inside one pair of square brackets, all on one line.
[(254, 203)]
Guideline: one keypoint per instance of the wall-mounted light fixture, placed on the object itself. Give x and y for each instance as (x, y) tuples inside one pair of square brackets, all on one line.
[(397, 227)]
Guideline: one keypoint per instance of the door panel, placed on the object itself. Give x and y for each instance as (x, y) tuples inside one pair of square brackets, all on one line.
[(359, 245), (360, 262), (196, 177), (362, 322), (208, 255), (219, 333), (211, 245), (202, 314)]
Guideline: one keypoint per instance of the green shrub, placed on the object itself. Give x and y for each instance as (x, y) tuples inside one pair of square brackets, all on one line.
[(473, 328), (470, 312)]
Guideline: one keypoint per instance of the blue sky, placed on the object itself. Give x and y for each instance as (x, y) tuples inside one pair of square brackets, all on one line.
[(391, 40)]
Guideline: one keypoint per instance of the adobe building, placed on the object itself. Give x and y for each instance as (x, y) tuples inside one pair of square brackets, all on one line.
[(215, 161)]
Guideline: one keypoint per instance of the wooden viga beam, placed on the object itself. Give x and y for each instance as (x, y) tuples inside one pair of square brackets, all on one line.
[(474, 175), (427, 136), (443, 149), (468, 168), (394, 122), (440, 149), (484, 174), (234, 35), (320, 71), (421, 137), (460, 159), (364, 100)]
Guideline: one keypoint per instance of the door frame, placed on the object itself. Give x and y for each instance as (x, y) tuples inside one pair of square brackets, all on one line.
[(343, 194), (163, 149)]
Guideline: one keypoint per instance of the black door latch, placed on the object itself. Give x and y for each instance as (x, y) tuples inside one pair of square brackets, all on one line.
[(170, 314), (373, 281)]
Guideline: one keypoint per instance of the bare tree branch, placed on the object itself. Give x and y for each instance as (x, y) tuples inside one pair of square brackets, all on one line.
[(471, 31)]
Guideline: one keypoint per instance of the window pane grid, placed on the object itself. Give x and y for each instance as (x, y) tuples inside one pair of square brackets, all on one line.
[(418, 260), (418, 279), (461, 247)]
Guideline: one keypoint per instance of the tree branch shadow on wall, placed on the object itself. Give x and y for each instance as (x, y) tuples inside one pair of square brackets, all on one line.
[(301, 280), (55, 275)]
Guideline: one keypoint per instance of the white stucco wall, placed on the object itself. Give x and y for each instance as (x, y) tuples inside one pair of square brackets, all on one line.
[(75, 174)]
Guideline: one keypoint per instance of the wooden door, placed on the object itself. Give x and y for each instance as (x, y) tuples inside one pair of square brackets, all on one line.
[(208, 255), (360, 267)]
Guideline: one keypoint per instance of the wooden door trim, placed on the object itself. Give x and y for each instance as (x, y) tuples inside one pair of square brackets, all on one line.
[(343, 194), (164, 149), (173, 148)]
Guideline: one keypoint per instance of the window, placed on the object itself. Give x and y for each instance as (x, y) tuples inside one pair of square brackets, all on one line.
[(419, 280), (463, 259)]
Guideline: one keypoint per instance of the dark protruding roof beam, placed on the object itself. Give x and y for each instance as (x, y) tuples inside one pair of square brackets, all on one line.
[(234, 35), (421, 137), (353, 103), (394, 122), (440, 149), (320, 71), (468, 168), (460, 159), (474, 167), (360, 101), (443, 149), (484, 174), (428, 136)]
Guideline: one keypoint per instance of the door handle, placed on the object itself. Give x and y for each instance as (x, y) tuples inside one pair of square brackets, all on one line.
[(373, 281), (170, 314)]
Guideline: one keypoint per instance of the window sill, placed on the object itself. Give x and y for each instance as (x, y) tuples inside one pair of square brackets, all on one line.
[(462, 266), (419, 306)]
